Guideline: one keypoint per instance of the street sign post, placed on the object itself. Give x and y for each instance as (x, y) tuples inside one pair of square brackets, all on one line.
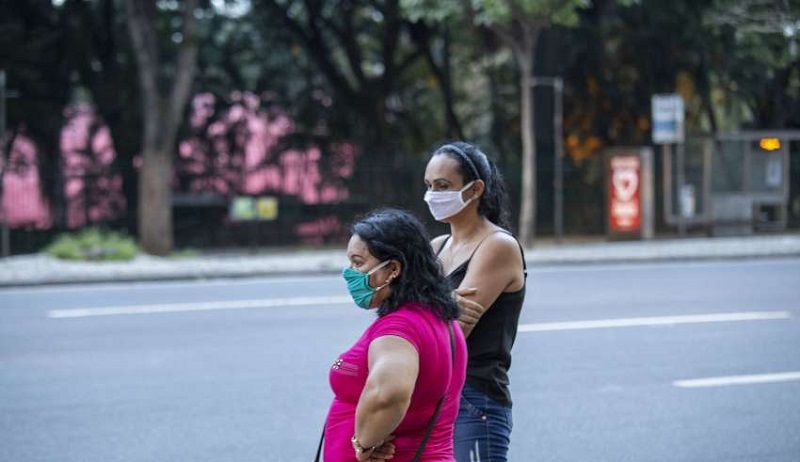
[(668, 128)]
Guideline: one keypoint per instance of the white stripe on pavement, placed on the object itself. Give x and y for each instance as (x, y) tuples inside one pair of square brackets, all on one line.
[(603, 266), (200, 306), (653, 321), (261, 281), (738, 380)]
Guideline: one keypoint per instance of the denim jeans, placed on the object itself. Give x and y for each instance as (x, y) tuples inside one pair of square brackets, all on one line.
[(483, 428)]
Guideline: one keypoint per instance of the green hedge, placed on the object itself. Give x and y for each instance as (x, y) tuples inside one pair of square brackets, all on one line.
[(95, 245)]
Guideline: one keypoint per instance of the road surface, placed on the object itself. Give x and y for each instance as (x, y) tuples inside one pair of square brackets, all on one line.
[(649, 362)]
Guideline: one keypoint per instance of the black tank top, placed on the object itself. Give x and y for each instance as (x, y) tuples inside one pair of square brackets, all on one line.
[(489, 344)]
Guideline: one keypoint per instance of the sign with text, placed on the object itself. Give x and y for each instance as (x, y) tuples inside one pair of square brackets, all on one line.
[(668, 117), (248, 208), (624, 204)]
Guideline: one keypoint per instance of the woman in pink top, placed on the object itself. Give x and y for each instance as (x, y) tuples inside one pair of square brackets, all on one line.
[(402, 379)]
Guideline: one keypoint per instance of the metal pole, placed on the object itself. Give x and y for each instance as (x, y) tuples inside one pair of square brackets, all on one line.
[(5, 241), (558, 152), (708, 163), (646, 185), (666, 163), (785, 159), (681, 181), (558, 86)]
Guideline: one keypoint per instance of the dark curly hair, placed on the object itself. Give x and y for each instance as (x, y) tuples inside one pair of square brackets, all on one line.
[(398, 235), (475, 165)]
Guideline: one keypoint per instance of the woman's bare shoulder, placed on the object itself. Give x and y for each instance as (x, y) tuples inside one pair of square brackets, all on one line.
[(500, 244), (438, 241)]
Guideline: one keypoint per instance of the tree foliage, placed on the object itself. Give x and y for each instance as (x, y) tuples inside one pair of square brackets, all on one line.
[(375, 65), (518, 24), (395, 77)]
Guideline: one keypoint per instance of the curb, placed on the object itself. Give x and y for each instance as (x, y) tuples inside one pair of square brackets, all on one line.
[(254, 274), (41, 270)]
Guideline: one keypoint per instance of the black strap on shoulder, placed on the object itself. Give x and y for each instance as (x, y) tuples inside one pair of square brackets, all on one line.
[(475, 250), (439, 250), (435, 413), (441, 401), (521, 250)]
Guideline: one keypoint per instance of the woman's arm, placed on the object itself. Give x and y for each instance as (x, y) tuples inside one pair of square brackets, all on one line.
[(495, 268), (393, 370)]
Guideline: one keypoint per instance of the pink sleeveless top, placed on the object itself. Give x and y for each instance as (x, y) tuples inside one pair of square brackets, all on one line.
[(437, 376)]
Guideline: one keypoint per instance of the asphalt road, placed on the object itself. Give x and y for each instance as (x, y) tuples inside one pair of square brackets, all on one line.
[(658, 362)]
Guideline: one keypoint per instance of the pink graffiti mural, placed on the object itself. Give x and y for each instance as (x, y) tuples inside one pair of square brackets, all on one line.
[(23, 203), (235, 148), (93, 194)]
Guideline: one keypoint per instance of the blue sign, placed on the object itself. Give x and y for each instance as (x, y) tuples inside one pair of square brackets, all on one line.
[(667, 119)]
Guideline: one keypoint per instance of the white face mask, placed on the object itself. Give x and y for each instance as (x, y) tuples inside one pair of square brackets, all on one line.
[(445, 204)]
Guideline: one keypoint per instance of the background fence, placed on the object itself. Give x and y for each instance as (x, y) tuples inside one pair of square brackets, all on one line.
[(40, 201)]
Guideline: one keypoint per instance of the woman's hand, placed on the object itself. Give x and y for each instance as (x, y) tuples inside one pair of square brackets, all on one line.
[(384, 451), (470, 311)]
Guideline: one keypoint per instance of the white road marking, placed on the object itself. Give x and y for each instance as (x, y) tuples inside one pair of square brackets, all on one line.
[(199, 306), (738, 380), (653, 321), (199, 283), (604, 266)]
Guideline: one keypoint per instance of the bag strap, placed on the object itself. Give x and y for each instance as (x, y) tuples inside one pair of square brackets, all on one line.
[(319, 448), (435, 413), (441, 401)]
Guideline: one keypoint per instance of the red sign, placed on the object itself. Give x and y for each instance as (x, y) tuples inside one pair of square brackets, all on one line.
[(624, 178)]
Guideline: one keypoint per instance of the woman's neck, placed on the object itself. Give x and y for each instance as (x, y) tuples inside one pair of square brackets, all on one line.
[(464, 229)]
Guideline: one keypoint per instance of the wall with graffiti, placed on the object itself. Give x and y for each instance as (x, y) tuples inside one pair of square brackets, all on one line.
[(235, 146)]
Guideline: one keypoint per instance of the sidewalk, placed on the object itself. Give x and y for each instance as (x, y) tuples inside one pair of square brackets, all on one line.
[(29, 270)]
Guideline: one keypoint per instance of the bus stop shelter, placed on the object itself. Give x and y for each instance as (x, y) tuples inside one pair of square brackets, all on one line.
[(731, 183)]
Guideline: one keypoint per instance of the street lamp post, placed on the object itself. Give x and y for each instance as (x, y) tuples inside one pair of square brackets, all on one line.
[(558, 153)]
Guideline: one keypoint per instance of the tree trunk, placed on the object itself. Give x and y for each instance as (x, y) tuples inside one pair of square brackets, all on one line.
[(162, 115), (155, 209), (527, 212), (452, 127)]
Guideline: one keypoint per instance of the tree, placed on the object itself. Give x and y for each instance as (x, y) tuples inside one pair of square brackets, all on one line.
[(758, 62), (374, 64), (518, 24), (162, 114), (757, 16)]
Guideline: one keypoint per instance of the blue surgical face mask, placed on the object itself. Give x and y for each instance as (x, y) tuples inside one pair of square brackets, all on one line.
[(358, 285)]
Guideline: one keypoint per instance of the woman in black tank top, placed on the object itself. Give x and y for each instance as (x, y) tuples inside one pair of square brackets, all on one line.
[(485, 265)]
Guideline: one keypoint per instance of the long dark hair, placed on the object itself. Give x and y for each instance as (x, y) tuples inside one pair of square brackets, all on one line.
[(398, 235), (475, 165)]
